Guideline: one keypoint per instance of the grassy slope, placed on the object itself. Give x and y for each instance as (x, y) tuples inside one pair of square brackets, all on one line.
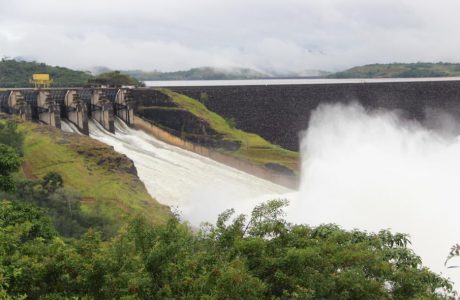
[(91, 167), (253, 147), (401, 70)]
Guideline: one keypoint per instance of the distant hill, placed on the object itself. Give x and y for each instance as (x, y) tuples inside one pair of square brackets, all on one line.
[(14, 73), (300, 74), (401, 70), (210, 73), (204, 73)]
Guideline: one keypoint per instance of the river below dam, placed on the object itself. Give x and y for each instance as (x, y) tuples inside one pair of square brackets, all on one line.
[(362, 169)]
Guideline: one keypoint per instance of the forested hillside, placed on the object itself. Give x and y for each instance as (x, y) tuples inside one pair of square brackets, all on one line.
[(15, 73), (204, 73), (401, 70)]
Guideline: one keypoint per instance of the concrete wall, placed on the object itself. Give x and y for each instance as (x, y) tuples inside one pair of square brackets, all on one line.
[(279, 112), (287, 181)]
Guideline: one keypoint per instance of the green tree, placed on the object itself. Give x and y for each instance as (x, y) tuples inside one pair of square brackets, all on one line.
[(240, 257), (115, 78), (63, 206), (9, 163), (10, 136), (326, 262), (52, 181)]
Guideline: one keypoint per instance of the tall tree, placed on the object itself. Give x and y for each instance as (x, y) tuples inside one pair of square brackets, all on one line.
[(9, 163)]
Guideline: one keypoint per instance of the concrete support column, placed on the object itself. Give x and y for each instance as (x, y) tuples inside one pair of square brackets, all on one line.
[(76, 111), (124, 106), (102, 110), (48, 110), (18, 106)]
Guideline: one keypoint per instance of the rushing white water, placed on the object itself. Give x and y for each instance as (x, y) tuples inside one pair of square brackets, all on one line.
[(372, 170), (360, 169), (69, 127), (199, 187)]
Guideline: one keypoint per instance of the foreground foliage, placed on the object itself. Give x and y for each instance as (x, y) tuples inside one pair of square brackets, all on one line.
[(262, 257), (48, 252)]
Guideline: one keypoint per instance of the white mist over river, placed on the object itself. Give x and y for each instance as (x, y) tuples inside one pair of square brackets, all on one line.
[(372, 170), (360, 169)]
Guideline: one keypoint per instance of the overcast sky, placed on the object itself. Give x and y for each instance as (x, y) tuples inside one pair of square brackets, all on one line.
[(282, 35)]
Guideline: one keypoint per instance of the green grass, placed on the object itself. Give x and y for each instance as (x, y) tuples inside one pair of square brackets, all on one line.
[(91, 167), (253, 147)]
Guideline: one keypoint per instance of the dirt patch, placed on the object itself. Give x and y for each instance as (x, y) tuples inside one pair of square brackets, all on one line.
[(27, 170)]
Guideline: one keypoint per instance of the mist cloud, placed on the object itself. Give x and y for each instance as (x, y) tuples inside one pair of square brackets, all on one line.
[(288, 35), (373, 170)]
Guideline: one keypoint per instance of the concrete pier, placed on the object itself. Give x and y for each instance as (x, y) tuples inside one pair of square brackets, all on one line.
[(48, 109), (13, 102), (102, 110), (76, 111), (124, 106)]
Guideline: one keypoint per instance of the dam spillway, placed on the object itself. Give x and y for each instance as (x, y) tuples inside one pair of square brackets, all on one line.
[(76, 105), (197, 186)]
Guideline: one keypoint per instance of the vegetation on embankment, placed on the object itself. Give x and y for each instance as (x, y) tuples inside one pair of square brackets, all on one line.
[(106, 179), (401, 70), (253, 148)]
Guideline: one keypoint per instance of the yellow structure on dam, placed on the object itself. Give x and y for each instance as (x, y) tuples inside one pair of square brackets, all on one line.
[(41, 81)]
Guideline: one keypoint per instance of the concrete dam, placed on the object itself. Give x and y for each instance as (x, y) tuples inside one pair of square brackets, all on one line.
[(280, 112)]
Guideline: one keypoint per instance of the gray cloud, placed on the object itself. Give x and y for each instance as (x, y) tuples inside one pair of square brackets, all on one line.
[(262, 34)]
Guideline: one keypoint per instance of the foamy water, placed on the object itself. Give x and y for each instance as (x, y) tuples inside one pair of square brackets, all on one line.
[(199, 187), (373, 171)]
